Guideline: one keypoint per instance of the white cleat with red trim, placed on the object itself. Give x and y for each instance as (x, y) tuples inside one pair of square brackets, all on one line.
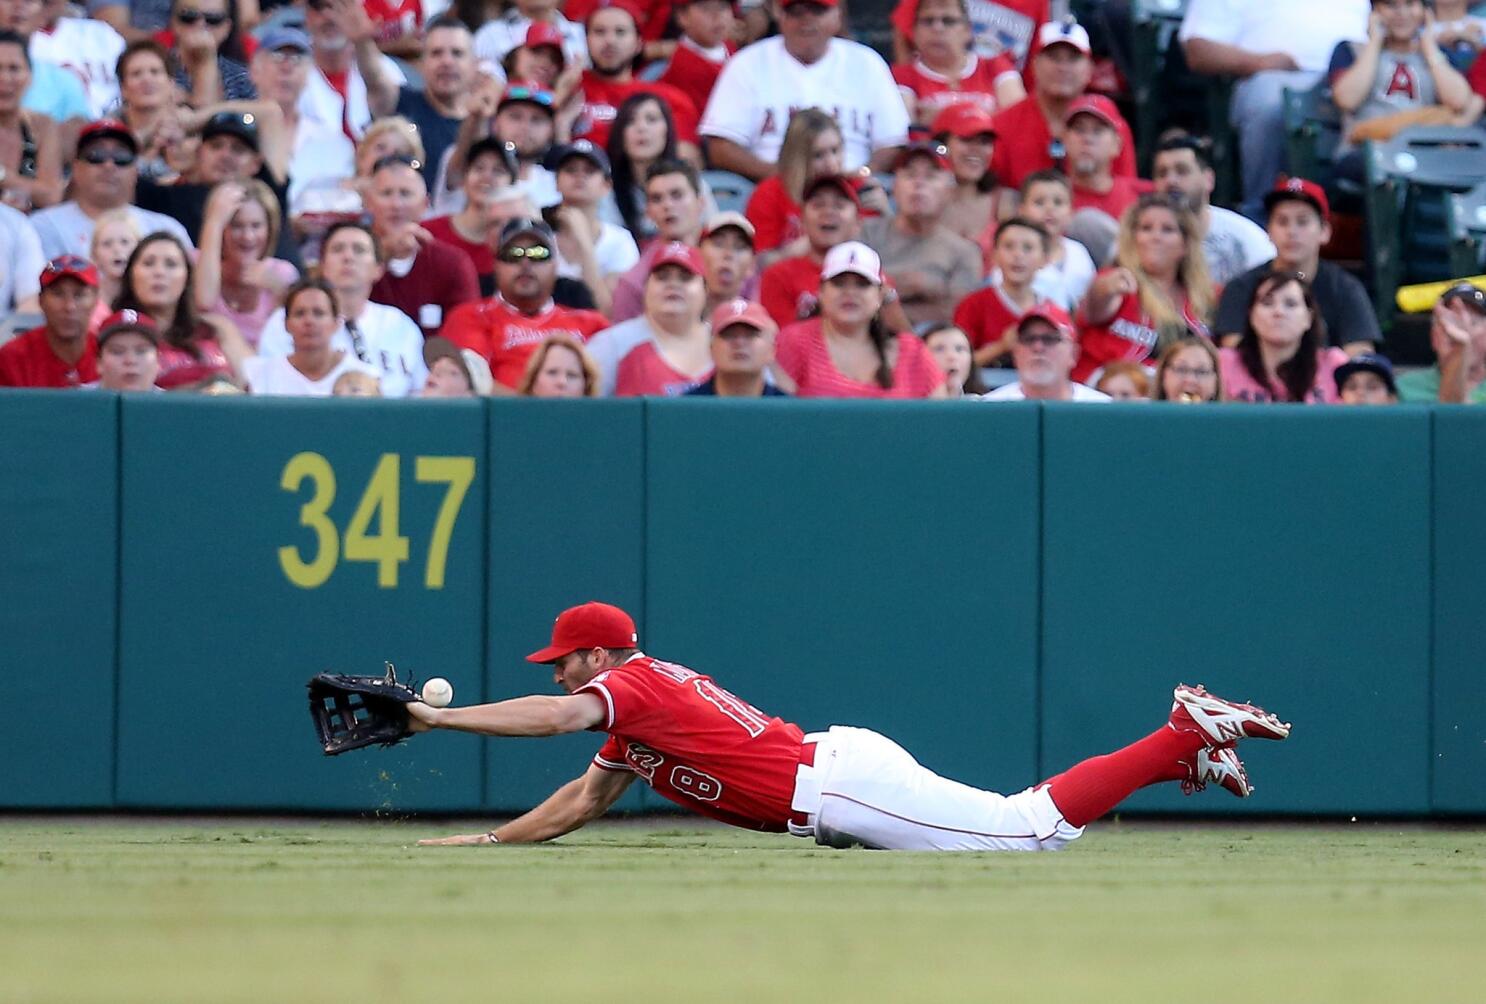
[(1221, 722), (1220, 766)]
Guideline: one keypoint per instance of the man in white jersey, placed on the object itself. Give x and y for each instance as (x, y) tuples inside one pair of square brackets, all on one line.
[(384, 337), (89, 49), (805, 66), (713, 753)]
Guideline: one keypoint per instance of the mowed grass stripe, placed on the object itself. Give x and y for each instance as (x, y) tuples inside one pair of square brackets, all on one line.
[(127, 910)]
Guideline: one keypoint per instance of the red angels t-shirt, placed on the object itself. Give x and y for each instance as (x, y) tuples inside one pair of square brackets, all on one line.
[(696, 744), (997, 26), (1130, 336), (934, 92), (1121, 196), (480, 256), (179, 368), (789, 289), (774, 215), (28, 361), (602, 98), (507, 337), (394, 18), (644, 371), (692, 72), (803, 354), (985, 315), (1024, 144)]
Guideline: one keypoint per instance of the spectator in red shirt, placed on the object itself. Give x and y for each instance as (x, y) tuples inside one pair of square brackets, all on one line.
[(704, 46), (489, 177), (678, 354), (969, 135), (60, 353), (1093, 142), (946, 70), (1030, 133), (613, 47), (1001, 27), (1158, 290), (507, 328), (849, 351), (990, 315), (812, 148), (540, 58), (790, 288), (424, 278)]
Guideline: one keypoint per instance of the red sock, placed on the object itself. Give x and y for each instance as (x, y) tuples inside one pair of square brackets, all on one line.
[(1088, 790)]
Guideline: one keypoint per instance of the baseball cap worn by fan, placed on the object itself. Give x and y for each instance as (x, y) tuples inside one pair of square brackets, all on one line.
[(677, 253), (474, 367), (729, 218), (589, 625), (125, 321), (531, 93), (584, 150), (1299, 190), (854, 257), (523, 227), (1064, 32), (1052, 314), (935, 152), (107, 129), (284, 37), (242, 125), (69, 266), (742, 312), (1367, 362), (1467, 293), (963, 120), (1096, 105), (835, 182), (543, 34)]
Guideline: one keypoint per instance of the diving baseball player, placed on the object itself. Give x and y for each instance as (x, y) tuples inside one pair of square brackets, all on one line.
[(713, 753)]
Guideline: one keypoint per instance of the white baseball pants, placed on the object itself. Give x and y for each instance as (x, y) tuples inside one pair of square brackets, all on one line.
[(865, 789)]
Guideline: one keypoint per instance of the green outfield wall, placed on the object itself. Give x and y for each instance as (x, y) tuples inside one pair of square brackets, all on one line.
[(1003, 589)]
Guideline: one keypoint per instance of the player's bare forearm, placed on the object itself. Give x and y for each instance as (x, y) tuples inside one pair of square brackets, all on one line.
[(537, 715), (570, 807)]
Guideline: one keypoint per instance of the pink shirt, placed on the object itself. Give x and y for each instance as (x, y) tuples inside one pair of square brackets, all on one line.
[(250, 322), (802, 353), (1239, 385), (645, 371)]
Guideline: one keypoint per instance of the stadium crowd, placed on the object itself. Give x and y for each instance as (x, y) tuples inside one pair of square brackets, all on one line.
[(661, 197)]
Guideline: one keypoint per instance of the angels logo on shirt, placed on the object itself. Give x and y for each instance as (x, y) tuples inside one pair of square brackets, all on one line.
[(855, 121), (1402, 83), (998, 29)]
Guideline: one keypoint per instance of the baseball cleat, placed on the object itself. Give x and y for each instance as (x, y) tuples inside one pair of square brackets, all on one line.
[(1220, 766), (1222, 722)]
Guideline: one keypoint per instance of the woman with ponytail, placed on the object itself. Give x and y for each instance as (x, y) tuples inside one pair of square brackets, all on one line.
[(848, 351)]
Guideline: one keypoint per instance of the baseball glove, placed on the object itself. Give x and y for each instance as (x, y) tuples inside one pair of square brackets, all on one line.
[(351, 712)]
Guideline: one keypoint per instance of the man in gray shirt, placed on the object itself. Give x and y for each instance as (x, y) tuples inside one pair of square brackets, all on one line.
[(104, 174), (933, 268)]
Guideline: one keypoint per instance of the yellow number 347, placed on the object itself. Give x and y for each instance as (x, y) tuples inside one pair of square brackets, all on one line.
[(385, 548)]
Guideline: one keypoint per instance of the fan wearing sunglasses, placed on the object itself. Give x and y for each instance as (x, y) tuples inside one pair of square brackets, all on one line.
[(507, 328), (104, 174), (205, 39)]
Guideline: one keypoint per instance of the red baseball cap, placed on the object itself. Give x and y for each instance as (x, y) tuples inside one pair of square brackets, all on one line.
[(742, 312), (1096, 105), (923, 148), (629, 7), (121, 321), (677, 253), (69, 266), (836, 182), (589, 625), (1052, 314), (107, 129), (1299, 190), (541, 33), (964, 120)]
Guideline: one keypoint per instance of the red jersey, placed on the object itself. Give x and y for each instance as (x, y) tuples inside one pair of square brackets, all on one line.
[(696, 744), (985, 315), (28, 361), (644, 371), (1121, 196), (602, 98), (933, 92), (996, 26), (394, 19), (789, 289), (507, 337), (692, 72), (1477, 76), (478, 252), (179, 368), (803, 354), (656, 13), (1024, 143), (439, 279), (1129, 335), (774, 215)]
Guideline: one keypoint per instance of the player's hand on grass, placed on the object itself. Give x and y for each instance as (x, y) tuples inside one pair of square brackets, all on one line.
[(459, 840)]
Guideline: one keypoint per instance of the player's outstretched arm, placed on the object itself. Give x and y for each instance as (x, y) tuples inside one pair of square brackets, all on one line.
[(538, 715), (575, 804)]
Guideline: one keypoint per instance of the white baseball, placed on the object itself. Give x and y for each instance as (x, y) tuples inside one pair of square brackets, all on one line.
[(438, 692)]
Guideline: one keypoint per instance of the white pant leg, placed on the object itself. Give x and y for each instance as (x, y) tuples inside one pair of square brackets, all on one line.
[(873, 793)]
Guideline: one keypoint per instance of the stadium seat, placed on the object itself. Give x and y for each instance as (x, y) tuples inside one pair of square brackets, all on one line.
[(1410, 177), (1467, 221), (1313, 131), (729, 190)]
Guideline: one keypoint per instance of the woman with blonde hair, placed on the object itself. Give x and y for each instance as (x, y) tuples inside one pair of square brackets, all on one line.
[(115, 236), (1189, 372), (1157, 291), (236, 275), (560, 367)]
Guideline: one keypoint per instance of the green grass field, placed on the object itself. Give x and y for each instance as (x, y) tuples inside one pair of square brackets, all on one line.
[(124, 910)]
